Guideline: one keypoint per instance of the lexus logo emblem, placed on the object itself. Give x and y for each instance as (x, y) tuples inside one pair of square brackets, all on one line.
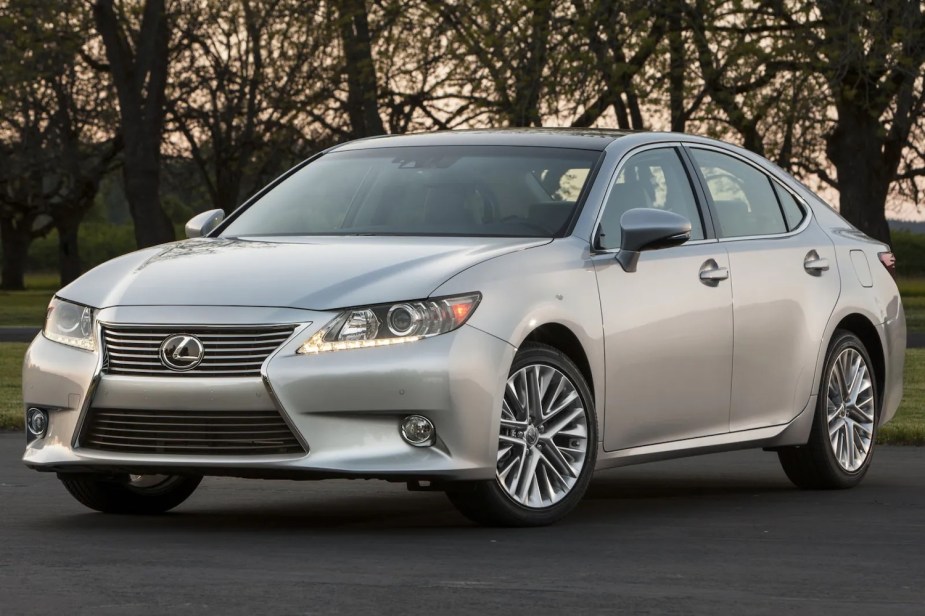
[(181, 352)]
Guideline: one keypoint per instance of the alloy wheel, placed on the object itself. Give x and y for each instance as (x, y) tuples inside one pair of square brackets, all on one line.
[(850, 409), (543, 442), (143, 482)]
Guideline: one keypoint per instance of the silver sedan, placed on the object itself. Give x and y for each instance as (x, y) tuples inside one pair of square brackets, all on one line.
[(493, 314)]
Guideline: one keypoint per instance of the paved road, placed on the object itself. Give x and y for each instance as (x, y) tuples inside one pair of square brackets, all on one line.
[(721, 534), (18, 334)]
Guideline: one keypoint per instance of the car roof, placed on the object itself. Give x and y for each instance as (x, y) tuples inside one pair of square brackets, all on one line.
[(578, 138)]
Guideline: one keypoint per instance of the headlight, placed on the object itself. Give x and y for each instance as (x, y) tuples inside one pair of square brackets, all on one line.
[(70, 324), (387, 324)]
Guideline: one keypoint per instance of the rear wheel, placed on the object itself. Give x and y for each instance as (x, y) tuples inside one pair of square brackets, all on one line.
[(841, 444), (135, 494), (547, 445)]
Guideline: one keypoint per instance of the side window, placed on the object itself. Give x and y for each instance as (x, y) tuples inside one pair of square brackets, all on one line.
[(743, 196), (793, 213), (656, 179)]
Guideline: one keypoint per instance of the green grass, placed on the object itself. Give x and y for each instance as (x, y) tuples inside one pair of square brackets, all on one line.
[(11, 414), (910, 287), (912, 291), (909, 249), (907, 428), (28, 307), (23, 307)]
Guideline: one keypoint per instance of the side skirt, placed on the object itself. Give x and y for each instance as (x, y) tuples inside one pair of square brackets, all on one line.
[(795, 432)]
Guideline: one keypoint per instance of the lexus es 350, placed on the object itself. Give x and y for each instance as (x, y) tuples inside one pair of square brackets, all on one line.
[(493, 313)]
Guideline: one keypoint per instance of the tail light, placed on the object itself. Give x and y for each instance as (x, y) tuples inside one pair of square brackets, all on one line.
[(889, 262)]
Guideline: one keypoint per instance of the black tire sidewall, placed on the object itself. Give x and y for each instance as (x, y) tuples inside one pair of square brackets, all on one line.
[(113, 494), (488, 502), (820, 438)]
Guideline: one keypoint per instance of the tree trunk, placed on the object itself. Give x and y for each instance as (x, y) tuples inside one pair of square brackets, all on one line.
[(142, 191), (362, 84), (228, 185), (69, 265), (526, 99), (676, 69), (16, 240), (855, 147), (139, 74)]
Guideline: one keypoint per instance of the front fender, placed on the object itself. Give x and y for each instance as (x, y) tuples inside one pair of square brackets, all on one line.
[(522, 291)]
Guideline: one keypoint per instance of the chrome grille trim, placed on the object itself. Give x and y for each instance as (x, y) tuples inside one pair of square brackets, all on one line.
[(232, 350), (238, 433)]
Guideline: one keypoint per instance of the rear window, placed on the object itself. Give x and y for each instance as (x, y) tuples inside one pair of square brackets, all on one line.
[(426, 190)]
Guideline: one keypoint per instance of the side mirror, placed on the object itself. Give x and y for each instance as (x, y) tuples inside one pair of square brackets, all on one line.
[(202, 224), (649, 229)]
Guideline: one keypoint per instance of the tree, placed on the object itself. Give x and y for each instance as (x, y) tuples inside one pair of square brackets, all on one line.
[(238, 89), (623, 39), (872, 59), (52, 133), (749, 72), (500, 56), (137, 48), (868, 61), (362, 103)]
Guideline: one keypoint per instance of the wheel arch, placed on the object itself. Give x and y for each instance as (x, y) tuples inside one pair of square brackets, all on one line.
[(564, 339), (863, 328)]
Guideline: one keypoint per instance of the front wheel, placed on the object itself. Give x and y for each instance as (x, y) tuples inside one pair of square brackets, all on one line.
[(134, 494), (841, 443), (547, 445)]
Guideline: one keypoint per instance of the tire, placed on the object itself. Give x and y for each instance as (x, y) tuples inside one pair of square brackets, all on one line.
[(130, 494), (816, 465), (559, 433)]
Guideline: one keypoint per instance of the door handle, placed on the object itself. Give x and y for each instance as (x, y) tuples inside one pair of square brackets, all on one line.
[(715, 275), (711, 272), (814, 264)]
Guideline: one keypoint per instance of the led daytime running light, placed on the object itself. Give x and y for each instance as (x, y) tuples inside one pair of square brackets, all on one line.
[(316, 344), (87, 344)]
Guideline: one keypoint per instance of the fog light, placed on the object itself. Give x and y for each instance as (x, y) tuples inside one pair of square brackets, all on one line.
[(37, 422), (417, 431)]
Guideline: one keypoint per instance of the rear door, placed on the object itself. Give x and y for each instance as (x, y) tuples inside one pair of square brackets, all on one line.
[(784, 282)]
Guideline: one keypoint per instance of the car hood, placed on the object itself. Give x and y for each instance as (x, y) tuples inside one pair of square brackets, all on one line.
[(316, 273)]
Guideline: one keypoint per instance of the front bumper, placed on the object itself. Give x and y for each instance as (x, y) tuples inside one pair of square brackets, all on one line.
[(344, 407)]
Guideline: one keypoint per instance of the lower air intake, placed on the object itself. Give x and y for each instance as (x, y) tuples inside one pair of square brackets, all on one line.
[(210, 433)]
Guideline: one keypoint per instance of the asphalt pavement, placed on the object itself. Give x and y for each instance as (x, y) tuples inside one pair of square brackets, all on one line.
[(718, 534), (18, 334)]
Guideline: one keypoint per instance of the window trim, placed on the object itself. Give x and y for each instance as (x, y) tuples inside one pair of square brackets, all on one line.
[(808, 211), (706, 219)]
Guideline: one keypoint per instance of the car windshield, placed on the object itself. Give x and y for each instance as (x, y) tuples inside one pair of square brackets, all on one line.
[(425, 190)]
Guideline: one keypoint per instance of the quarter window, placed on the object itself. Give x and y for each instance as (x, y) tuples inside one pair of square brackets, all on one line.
[(793, 213), (743, 197), (651, 179)]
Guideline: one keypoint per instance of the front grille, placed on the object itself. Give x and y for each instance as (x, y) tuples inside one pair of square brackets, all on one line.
[(217, 433), (228, 351)]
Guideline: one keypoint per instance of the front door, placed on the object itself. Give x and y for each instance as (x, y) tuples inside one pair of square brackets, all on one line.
[(668, 325)]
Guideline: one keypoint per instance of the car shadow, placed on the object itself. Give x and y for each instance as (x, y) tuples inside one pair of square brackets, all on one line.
[(298, 508)]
